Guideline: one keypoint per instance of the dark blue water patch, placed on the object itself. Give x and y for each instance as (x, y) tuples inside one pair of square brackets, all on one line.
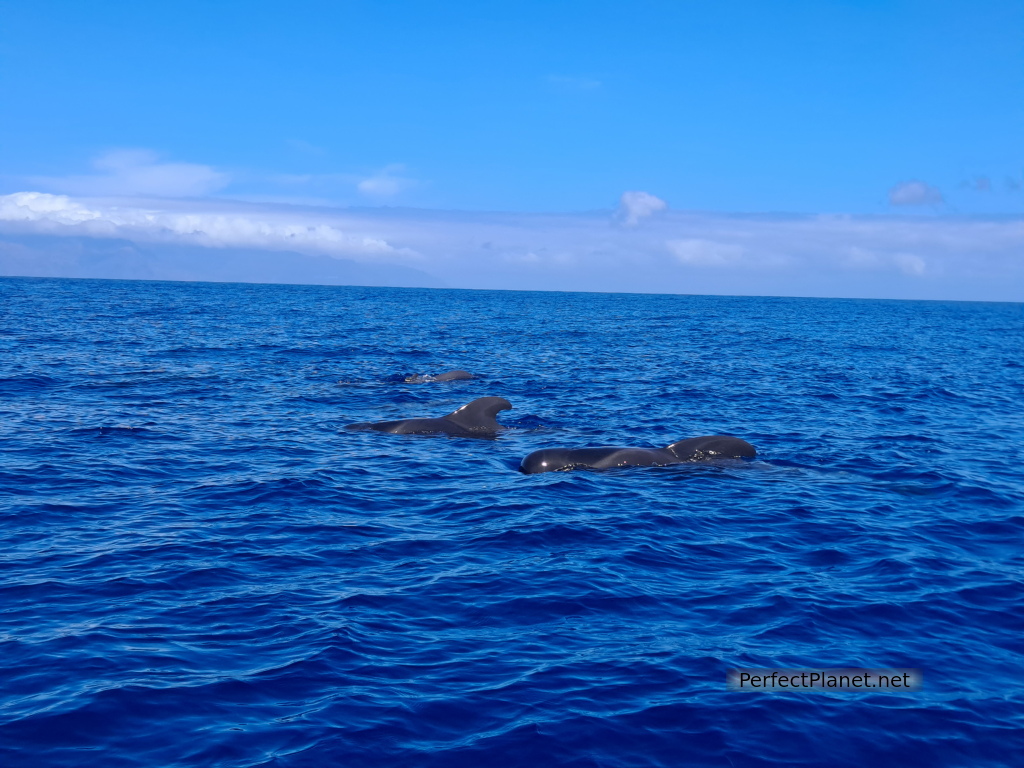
[(15, 386), (201, 566)]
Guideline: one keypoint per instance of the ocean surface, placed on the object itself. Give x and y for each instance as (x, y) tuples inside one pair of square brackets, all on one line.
[(201, 567)]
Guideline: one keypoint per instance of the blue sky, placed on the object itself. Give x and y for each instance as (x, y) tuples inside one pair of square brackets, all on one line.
[(878, 109)]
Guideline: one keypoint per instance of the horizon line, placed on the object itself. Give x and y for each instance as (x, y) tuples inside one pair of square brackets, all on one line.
[(504, 290)]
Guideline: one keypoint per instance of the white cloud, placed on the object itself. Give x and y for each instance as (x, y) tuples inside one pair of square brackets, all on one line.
[(44, 208), (634, 206), (229, 227), (139, 172), (142, 173), (914, 193), (910, 264), (673, 252), (705, 253), (387, 182)]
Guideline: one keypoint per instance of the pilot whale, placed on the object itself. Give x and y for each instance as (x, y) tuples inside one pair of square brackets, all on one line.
[(447, 376), (692, 449), (475, 419)]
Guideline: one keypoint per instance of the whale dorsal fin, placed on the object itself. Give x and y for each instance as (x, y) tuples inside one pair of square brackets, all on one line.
[(480, 413), (713, 445)]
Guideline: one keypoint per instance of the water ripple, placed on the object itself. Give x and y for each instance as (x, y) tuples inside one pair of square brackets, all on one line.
[(201, 567)]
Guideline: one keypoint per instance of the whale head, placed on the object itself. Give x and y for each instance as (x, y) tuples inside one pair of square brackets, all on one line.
[(546, 460)]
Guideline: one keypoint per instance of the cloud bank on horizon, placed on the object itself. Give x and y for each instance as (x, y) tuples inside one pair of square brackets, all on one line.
[(642, 246)]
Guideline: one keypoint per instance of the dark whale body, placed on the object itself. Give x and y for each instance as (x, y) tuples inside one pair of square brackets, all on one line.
[(475, 419), (692, 449), (447, 376)]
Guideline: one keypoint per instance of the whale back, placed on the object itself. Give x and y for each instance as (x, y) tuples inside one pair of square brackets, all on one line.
[(453, 376), (554, 459), (478, 416), (423, 378), (710, 446)]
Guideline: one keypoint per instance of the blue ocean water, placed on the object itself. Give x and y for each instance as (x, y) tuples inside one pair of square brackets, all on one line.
[(200, 567)]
